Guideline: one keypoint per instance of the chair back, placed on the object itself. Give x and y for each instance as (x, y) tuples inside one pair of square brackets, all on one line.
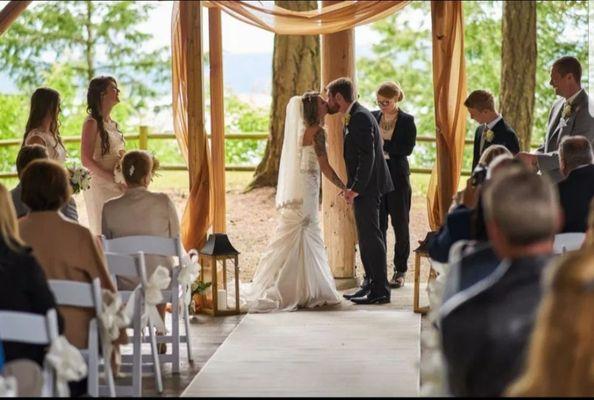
[(154, 245), (30, 328), (77, 294), (568, 242)]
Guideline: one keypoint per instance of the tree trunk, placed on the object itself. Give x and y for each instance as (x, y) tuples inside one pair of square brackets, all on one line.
[(295, 70), (89, 42), (518, 67)]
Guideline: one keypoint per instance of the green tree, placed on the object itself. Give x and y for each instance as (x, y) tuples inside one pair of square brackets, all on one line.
[(93, 38)]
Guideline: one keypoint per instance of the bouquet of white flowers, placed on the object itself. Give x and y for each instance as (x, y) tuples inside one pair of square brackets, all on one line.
[(80, 179)]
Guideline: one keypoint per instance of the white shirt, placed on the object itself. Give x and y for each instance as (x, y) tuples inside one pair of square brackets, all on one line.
[(491, 124), (572, 98), (349, 109)]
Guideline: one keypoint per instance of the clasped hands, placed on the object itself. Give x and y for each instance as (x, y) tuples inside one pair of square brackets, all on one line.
[(348, 195), (529, 159)]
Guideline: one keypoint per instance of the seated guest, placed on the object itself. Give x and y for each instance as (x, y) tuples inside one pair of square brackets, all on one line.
[(23, 285), (577, 189), (465, 220), (26, 155), (560, 359), (589, 240), (493, 128), (141, 212), (65, 249), (485, 328)]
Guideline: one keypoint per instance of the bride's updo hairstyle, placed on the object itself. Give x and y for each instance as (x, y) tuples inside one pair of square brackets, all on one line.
[(310, 108), (137, 164), (97, 88)]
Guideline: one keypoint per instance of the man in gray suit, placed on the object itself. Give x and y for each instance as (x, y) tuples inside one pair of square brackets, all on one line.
[(569, 116)]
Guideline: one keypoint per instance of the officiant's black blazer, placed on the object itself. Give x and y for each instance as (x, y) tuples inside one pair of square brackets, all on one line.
[(403, 139), (504, 135), (364, 156)]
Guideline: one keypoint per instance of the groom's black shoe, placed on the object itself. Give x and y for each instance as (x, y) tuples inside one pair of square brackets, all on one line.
[(359, 293), (369, 299)]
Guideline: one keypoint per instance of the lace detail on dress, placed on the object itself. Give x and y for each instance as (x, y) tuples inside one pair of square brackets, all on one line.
[(309, 160)]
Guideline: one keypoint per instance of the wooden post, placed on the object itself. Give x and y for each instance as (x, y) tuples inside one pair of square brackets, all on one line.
[(143, 137), (217, 118), (338, 59)]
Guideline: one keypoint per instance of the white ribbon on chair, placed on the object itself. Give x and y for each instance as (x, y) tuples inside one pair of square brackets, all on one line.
[(188, 274), (67, 362), (158, 281), (8, 386), (111, 320)]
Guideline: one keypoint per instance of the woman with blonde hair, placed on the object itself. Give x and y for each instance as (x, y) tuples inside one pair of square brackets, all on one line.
[(399, 134), (560, 362)]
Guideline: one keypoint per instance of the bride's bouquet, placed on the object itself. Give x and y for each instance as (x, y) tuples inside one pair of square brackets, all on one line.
[(80, 177)]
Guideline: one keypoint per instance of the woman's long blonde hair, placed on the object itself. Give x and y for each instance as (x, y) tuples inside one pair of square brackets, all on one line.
[(9, 228), (560, 361)]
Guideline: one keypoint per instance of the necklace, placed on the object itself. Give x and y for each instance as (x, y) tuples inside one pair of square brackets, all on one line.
[(388, 125)]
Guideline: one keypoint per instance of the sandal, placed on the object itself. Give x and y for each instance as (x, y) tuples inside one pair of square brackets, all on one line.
[(397, 280)]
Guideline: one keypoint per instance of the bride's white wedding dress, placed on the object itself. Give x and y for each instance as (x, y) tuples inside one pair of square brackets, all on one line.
[(293, 271)]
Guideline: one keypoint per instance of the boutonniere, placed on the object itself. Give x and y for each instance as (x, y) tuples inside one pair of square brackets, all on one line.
[(489, 135), (347, 118)]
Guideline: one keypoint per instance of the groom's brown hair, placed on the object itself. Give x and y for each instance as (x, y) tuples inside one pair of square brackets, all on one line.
[(344, 86)]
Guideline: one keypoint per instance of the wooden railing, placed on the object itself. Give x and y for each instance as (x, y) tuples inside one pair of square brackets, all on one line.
[(143, 137)]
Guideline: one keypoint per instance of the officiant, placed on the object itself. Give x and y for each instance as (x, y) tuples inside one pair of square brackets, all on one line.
[(399, 134)]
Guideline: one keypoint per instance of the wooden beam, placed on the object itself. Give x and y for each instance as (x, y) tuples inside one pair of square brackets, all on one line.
[(338, 59), (217, 118)]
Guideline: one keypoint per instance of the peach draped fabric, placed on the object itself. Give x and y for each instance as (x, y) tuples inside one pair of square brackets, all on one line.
[(335, 18), (449, 86), (188, 126), (10, 12)]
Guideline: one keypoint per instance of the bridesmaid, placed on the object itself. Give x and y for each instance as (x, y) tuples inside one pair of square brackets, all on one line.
[(43, 129), (102, 146), (399, 133)]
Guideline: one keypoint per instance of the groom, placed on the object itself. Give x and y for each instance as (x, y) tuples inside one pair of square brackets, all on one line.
[(368, 180)]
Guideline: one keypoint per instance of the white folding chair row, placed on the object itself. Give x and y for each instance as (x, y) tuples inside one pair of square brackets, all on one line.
[(132, 266), (568, 242), (35, 329), (88, 295), (169, 247)]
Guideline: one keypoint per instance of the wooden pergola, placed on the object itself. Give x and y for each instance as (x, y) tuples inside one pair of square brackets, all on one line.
[(338, 59)]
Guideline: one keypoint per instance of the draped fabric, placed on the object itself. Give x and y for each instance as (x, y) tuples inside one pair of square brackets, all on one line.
[(335, 18), (10, 12), (186, 98), (449, 85)]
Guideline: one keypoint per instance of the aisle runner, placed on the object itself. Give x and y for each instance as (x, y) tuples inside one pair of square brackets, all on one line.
[(316, 353)]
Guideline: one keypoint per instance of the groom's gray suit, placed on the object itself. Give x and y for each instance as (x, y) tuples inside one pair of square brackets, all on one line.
[(579, 122)]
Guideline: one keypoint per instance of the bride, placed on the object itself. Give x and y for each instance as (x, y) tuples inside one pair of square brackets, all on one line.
[(294, 271)]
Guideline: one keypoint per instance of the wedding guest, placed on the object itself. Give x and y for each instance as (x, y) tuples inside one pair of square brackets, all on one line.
[(486, 327), (561, 353), (399, 133), (25, 156), (43, 129), (569, 116), (493, 128), (589, 240), (577, 189), (65, 249), (141, 212), (23, 284), (102, 146)]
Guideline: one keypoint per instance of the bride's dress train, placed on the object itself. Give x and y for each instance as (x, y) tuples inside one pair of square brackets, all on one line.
[(294, 270)]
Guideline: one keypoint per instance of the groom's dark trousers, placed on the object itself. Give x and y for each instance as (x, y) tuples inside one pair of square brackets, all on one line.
[(368, 176)]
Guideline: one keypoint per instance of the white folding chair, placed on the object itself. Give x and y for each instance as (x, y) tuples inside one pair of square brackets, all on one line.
[(133, 266), (568, 242), (169, 247), (34, 329), (87, 295)]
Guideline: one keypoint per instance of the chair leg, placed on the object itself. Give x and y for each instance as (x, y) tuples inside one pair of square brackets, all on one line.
[(416, 284), (156, 361), (175, 333), (137, 359), (109, 377), (188, 341)]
